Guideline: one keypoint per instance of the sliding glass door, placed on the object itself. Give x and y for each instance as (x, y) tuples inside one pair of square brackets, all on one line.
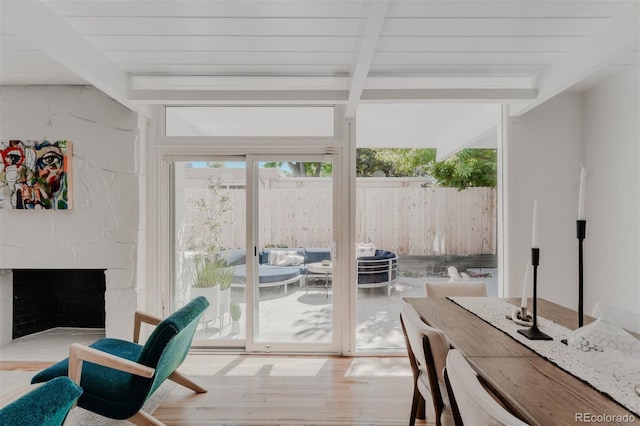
[(209, 234), (293, 264), (278, 294)]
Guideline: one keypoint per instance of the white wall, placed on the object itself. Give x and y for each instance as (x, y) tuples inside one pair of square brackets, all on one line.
[(612, 155), (101, 230), (544, 157), (600, 129)]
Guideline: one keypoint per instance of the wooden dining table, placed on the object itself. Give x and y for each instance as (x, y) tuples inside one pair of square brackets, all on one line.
[(535, 389)]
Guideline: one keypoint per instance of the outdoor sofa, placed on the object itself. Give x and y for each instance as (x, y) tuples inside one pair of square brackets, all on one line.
[(284, 266)]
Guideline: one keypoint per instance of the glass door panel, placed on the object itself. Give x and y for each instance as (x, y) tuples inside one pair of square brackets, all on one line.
[(293, 295), (279, 295), (410, 230), (209, 202)]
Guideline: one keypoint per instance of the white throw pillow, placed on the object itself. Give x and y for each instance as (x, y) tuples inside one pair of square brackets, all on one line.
[(286, 261), (291, 260), (275, 257), (365, 250), (284, 258), (296, 259)]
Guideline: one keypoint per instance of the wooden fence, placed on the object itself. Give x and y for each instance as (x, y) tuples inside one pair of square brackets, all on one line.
[(428, 221), (406, 219)]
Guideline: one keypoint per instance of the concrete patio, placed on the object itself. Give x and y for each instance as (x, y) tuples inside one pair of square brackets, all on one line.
[(303, 315)]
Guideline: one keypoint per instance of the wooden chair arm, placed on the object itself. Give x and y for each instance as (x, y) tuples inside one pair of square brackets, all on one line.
[(79, 353), (138, 319)]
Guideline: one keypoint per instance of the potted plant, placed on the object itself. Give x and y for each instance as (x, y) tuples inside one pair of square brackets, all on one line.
[(235, 313), (204, 282), (225, 276), (210, 273)]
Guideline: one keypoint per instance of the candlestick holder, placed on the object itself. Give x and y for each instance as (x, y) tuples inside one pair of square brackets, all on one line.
[(534, 333), (581, 228)]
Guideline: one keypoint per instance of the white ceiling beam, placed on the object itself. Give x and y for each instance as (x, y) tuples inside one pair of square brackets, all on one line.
[(448, 82), (594, 53), (324, 97), (377, 11), (248, 82), (45, 30), (230, 82), (232, 97), (461, 94)]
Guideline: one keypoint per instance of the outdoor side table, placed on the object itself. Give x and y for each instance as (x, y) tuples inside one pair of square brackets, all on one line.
[(321, 268)]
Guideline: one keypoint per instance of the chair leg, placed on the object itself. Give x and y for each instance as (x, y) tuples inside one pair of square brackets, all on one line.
[(422, 407), (187, 383), (418, 401), (142, 418)]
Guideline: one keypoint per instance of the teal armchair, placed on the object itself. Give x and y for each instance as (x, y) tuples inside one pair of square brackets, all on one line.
[(45, 405), (117, 376)]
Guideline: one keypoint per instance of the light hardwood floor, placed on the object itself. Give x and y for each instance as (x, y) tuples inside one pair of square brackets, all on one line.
[(275, 390), (290, 390)]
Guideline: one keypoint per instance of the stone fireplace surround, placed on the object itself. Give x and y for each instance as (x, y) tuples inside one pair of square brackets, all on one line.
[(50, 298), (103, 228)]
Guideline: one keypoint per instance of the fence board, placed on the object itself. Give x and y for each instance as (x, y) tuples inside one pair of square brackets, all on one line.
[(408, 220)]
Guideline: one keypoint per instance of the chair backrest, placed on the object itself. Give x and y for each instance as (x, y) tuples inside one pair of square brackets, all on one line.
[(168, 345), (431, 355), (460, 289), (470, 400), (628, 320), (46, 405)]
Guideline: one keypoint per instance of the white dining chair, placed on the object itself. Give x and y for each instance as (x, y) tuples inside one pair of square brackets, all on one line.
[(427, 348), (471, 402), (459, 289), (630, 321)]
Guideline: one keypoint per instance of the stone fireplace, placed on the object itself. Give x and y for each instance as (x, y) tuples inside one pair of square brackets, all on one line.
[(50, 298), (34, 300), (102, 230)]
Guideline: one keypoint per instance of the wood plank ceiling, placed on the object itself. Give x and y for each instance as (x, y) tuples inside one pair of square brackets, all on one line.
[(319, 52)]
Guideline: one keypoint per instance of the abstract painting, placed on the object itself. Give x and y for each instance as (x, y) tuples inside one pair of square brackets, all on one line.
[(35, 174)]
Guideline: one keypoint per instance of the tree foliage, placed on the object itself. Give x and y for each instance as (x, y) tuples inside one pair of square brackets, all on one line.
[(467, 168), (368, 163), (406, 162), (302, 168)]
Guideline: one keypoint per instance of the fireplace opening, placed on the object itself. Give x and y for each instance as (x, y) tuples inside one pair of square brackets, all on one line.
[(49, 298)]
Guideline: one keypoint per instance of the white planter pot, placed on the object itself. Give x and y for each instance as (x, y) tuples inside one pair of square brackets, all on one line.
[(213, 296), (225, 301), (235, 327)]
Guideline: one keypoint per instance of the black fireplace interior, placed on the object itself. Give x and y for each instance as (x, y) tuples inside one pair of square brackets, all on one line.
[(49, 298)]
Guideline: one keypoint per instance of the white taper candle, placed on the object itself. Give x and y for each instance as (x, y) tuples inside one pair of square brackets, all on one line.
[(581, 202), (534, 231), (523, 304)]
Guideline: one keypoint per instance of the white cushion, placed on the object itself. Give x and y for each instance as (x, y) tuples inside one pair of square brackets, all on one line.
[(279, 257), (365, 250), (291, 260)]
